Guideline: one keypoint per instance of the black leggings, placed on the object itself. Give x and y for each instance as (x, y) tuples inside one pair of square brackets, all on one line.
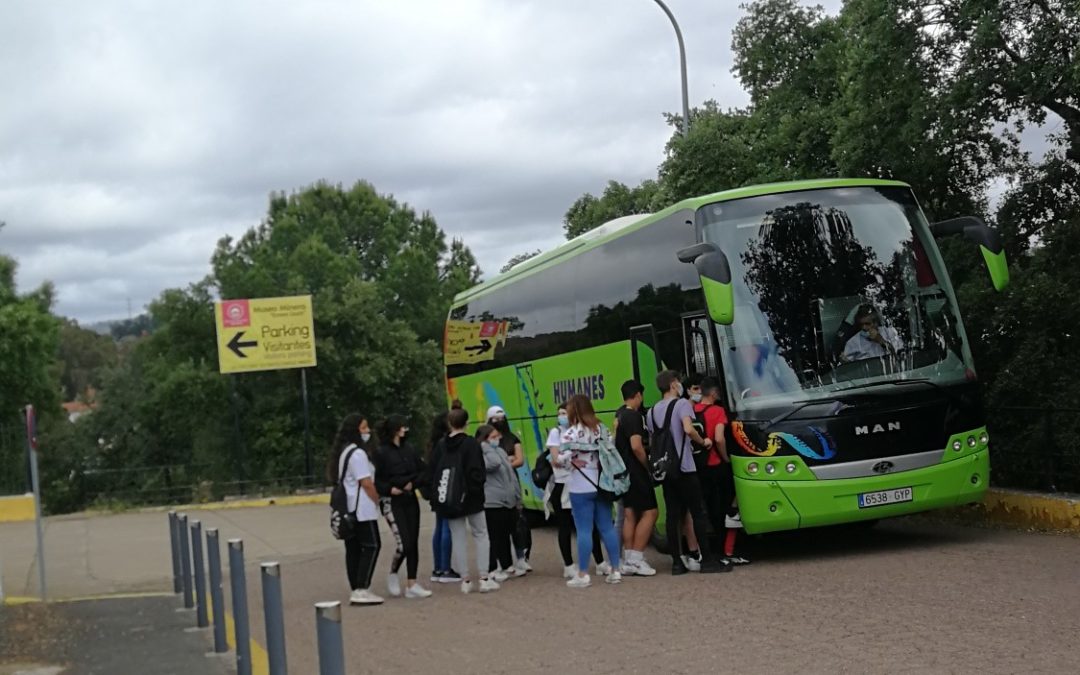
[(718, 491), (361, 553), (500, 523), (565, 520), (402, 514), (682, 494)]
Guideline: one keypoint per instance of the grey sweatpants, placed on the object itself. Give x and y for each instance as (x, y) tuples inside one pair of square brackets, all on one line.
[(460, 550)]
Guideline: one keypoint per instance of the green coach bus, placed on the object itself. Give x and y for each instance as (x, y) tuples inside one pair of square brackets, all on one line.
[(824, 308)]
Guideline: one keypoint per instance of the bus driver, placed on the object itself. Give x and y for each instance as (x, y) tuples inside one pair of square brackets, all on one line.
[(872, 340)]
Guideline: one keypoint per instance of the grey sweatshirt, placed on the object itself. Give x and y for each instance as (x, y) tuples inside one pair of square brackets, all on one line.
[(501, 486)]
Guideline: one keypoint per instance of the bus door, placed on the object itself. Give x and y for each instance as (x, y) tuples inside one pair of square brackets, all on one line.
[(645, 359), (699, 341)]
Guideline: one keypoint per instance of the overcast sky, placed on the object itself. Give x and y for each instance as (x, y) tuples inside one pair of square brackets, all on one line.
[(133, 135)]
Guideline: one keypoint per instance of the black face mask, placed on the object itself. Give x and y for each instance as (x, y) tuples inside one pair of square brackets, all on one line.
[(501, 425)]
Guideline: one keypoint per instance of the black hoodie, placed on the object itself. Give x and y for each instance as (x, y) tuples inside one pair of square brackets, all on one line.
[(396, 467), (473, 464)]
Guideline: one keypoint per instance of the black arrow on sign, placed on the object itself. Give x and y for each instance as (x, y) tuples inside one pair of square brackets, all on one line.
[(236, 345), (484, 346)]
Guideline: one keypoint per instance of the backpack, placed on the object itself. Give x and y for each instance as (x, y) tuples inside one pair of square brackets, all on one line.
[(342, 520), (614, 476), (448, 482), (663, 456), (542, 471), (701, 453)]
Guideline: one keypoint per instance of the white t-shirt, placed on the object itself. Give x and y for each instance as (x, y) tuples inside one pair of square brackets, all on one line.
[(580, 441), (359, 469), (861, 347), (560, 474)]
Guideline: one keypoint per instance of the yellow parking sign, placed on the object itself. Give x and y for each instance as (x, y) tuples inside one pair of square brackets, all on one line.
[(265, 334)]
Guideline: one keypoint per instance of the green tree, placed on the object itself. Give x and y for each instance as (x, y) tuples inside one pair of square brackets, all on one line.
[(1007, 60), (83, 357), (28, 342)]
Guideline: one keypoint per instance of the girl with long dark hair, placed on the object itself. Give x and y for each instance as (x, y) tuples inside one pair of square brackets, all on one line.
[(348, 463), (580, 449), (398, 475)]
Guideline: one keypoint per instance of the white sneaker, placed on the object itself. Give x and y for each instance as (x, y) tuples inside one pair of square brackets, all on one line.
[(417, 591), (466, 587), (579, 582), (363, 596), (489, 585), (628, 569), (692, 564), (569, 572), (393, 585), (499, 576), (522, 565), (644, 569), (603, 569), (614, 578), (516, 572)]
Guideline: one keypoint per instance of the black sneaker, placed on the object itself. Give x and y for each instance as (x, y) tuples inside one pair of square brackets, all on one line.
[(716, 567), (678, 569), (450, 577)]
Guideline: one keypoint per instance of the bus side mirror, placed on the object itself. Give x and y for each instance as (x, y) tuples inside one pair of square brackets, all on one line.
[(715, 275), (988, 240)]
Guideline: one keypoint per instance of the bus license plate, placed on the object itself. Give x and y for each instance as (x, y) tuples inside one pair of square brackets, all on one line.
[(895, 496)]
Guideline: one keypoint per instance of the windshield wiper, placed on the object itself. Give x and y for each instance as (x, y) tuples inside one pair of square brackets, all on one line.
[(845, 405), (805, 404)]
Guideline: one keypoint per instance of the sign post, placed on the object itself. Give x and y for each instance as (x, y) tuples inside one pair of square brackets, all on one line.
[(31, 446)]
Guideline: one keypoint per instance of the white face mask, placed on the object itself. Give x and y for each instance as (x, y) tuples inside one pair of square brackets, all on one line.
[(696, 398), (365, 436), (679, 389)]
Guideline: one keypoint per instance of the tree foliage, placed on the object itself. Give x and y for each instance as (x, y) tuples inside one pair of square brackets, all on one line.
[(517, 260)]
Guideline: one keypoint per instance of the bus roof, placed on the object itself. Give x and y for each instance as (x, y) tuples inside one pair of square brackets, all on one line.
[(618, 227)]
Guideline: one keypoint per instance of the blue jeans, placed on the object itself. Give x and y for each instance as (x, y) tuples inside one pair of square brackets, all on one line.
[(440, 544), (590, 512)]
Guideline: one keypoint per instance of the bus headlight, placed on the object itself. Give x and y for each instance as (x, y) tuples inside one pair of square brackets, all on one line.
[(957, 445), (770, 468), (752, 467), (984, 438), (791, 467), (971, 441)]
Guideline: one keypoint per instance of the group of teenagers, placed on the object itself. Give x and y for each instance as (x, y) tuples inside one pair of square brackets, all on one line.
[(471, 482)]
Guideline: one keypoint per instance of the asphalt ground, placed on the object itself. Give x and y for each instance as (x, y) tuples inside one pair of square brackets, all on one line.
[(123, 636), (912, 595)]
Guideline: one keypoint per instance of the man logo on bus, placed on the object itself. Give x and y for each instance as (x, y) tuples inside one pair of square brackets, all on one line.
[(877, 429)]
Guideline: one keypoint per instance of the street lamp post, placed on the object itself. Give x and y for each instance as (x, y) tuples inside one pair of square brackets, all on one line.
[(682, 65)]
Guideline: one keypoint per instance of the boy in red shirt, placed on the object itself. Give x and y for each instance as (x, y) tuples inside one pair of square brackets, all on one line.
[(717, 479)]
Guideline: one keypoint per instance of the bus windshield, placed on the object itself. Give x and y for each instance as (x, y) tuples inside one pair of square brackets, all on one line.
[(835, 289)]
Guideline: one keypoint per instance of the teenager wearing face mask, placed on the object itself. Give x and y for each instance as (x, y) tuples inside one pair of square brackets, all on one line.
[(348, 463), (557, 497), (501, 501), (398, 472), (511, 444), (441, 541)]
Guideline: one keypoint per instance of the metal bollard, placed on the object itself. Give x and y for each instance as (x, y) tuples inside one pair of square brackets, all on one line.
[(238, 582), (217, 597), (331, 645), (274, 613), (185, 561), (174, 541), (201, 619)]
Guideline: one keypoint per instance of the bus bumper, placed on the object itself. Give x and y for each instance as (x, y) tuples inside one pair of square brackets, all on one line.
[(770, 506)]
